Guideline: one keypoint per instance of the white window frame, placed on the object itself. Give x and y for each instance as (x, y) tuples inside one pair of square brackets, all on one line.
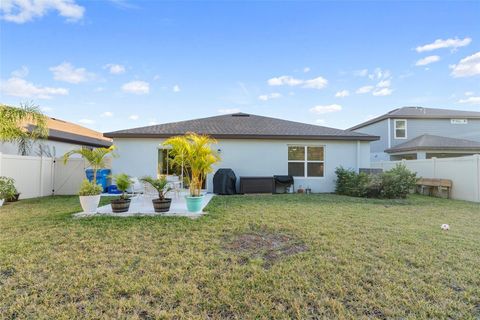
[(305, 161), (395, 128)]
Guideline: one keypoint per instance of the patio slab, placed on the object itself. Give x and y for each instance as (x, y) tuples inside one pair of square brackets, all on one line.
[(142, 206)]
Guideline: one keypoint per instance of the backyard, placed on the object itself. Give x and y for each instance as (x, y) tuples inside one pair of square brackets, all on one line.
[(275, 256)]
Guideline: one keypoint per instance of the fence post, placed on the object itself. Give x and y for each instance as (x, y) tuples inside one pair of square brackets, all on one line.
[(41, 177)]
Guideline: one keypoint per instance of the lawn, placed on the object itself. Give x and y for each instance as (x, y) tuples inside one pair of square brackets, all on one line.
[(280, 256)]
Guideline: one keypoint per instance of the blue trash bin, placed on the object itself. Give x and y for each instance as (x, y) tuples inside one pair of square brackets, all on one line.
[(103, 177)]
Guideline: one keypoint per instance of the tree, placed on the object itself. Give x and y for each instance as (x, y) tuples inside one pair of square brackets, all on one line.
[(22, 124), (95, 157)]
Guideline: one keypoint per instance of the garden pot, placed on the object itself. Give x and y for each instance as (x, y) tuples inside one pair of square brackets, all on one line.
[(1, 202), (90, 203), (161, 205), (120, 205), (194, 204), (14, 198)]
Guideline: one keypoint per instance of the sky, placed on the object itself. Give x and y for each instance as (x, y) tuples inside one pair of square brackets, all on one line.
[(118, 64)]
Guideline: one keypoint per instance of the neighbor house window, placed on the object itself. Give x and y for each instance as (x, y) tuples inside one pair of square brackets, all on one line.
[(400, 129), (306, 161)]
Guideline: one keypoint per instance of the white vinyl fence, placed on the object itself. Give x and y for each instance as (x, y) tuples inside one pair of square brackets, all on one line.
[(41, 176), (463, 171)]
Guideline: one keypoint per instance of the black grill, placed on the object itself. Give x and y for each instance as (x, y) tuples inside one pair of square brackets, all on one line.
[(224, 182)]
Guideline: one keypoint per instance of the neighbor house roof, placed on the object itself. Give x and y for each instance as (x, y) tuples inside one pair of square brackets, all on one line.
[(421, 113), (242, 126), (431, 142), (64, 131)]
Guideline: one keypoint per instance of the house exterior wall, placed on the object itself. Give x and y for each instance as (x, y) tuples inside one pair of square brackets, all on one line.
[(57, 148), (415, 128), (138, 157)]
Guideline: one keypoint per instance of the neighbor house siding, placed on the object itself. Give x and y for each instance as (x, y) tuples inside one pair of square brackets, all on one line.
[(377, 147), (57, 148), (138, 157)]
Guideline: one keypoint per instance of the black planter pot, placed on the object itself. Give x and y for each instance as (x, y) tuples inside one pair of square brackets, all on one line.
[(161, 205), (120, 205), (14, 198)]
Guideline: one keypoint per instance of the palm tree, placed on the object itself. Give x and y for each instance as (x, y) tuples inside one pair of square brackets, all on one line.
[(15, 122), (193, 152), (95, 157)]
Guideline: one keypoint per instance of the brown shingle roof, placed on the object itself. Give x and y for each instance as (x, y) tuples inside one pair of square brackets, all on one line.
[(241, 126), (421, 113), (431, 142)]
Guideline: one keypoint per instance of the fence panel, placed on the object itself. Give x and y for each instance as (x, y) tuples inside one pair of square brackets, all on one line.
[(463, 171), (68, 177)]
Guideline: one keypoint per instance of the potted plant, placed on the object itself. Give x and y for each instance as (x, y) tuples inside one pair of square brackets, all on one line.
[(89, 195), (122, 204), (193, 153), (8, 192), (96, 160), (161, 204)]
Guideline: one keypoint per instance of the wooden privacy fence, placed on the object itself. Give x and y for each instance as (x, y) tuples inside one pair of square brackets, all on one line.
[(41, 176), (463, 171)]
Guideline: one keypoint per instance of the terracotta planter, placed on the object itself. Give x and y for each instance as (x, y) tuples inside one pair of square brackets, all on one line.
[(120, 205), (89, 203), (161, 205)]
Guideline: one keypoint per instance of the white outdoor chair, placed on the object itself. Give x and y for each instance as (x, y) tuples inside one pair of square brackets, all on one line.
[(137, 187), (174, 184)]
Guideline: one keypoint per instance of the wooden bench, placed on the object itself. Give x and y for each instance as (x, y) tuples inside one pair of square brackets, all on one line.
[(434, 186)]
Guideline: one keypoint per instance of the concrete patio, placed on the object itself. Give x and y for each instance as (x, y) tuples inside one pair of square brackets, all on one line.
[(141, 205)]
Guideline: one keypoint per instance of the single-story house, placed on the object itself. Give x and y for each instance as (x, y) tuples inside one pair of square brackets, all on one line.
[(63, 136), (251, 145)]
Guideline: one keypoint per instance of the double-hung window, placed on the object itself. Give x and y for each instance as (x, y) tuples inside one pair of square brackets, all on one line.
[(306, 161), (400, 129)]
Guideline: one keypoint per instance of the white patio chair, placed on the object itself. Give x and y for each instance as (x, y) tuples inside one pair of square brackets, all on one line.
[(174, 184), (137, 187)]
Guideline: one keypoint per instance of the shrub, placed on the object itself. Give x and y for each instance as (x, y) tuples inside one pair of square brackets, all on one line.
[(7, 188), (394, 183), (123, 182), (88, 188)]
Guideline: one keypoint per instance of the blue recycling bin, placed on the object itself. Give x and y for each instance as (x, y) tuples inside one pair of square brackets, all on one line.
[(103, 177)]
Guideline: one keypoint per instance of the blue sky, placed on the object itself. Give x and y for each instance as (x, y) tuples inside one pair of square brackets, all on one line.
[(115, 64)]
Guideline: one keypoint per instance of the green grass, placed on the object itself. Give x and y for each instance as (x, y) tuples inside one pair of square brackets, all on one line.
[(364, 259)]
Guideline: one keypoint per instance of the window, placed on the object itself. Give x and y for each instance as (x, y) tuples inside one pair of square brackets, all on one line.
[(306, 161), (400, 129)]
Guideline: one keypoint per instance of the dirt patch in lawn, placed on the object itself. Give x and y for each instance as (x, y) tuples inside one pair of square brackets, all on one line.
[(268, 245)]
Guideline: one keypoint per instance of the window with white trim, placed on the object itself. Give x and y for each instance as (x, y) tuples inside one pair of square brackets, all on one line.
[(306, 161), (400, 129)]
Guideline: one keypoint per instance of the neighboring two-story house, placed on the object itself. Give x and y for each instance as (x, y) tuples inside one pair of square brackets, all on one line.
[(423, 133)]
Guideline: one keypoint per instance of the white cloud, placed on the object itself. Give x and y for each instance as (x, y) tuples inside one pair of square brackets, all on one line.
[(467, 67), (364, 89), (470, 100), (19, 87), (176, 88), (114, 68), (469, 93), (448, 43), (427, 60), (136, 87), (382, 92), (379, 73), (326, 109), (20, 73), (361, 73), (266, 97), (384, 84), (342, 94), (86, 121), (306, 69), (315, 83), (134, 117), (68, 73), (21, 11), (107, 114), (227, 111)]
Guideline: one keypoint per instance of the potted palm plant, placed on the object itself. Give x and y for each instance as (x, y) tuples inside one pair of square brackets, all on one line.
[(96, 159), (89, 195), (193, 152), (122, 204), (7, 189), (162, 204)]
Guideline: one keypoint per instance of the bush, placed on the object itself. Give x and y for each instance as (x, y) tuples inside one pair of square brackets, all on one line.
[(123, 182), (394, 183), (89, 189), (7, 188)]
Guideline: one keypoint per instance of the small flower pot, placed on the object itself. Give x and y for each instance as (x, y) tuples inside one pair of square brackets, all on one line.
[(194, 204), (1, 202), (14, 198), (120, 205), (90, 203), (161, 205)]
